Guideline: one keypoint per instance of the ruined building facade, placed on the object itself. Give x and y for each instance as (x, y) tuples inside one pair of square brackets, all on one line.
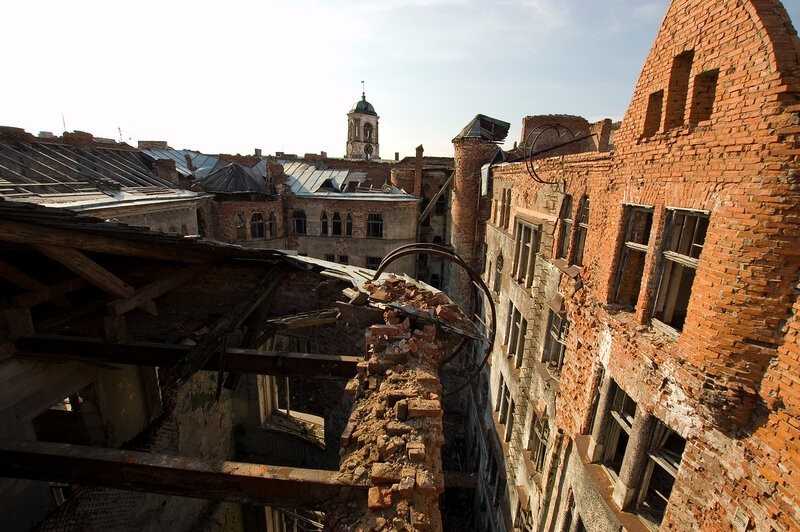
[(644, 369)]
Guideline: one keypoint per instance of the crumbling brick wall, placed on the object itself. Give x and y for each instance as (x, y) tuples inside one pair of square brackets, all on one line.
[(394, 437), (721, 381)]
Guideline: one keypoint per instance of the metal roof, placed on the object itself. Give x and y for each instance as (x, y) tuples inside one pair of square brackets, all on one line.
[(79, 176)]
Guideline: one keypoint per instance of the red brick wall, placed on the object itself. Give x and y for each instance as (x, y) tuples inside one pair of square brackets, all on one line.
[(728, 382)]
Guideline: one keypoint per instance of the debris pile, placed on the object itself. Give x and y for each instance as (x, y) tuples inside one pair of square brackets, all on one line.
[(393, 439)]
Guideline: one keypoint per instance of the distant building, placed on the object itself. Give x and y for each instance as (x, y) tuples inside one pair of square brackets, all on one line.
[(362, 131)]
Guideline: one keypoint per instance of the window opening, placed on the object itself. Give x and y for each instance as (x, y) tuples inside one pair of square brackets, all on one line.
[(537, 442), (498, 276), (652, 119), (375, 225), (373, 262), (516, 329), (330, 257), (348, 225), (272, 225), (703, 95), (663, 461), (509, 421), (583, 230), (299, 222), (678, 89), (684, 239), (639, 221), (525, 249), (556, 341), (623, 410), (565, 219), (343, 259), (257, 226), (337, 224), (323, 224)]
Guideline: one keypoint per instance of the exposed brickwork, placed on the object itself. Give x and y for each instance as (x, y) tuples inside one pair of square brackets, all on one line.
[(394, 437)]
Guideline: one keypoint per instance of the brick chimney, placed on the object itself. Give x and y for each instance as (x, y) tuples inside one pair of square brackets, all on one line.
[(418, 172)]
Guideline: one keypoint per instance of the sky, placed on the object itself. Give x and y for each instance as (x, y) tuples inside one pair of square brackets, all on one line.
[(281, 75)]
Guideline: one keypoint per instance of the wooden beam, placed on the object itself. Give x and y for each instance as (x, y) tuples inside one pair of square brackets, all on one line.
[(175, 475), (49, 293), (198, 357), (25, 233), (279, 363), (85, 267), (157, 288), (23, 280)]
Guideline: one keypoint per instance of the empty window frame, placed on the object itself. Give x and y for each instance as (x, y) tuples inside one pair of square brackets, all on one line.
[(375, 225), (685, 234), (703, 95), (505, 401), (525, 248), (652, 119), (336, 226), (622, 412), (323, 224), (516, 328), (299, 222), (348, 225), (257, 226), (498, 275), (241, 228), (537, 441), (372, 262), (509, 420), (330, 257), (368, 132), (272, 225), (583, 230), (637, 222), (678, 89), (500, 389), (565, 221), (343, 259), (555, 344), (663, 461)]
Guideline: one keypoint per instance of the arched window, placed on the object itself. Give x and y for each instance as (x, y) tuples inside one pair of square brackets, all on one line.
[(565, 219), (323, 224), (375, 225), (241, 231), (348, 225), (256, 226), (272, 226), (337, 224), (299, 222), (368, 132)]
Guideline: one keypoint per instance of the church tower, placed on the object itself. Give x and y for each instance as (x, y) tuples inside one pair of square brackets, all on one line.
[(362, 130)]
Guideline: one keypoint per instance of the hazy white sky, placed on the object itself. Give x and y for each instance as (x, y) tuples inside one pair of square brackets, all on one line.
[(281, 75)]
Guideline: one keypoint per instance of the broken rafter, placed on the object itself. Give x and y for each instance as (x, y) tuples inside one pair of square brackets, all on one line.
[(175, 475), (278, 363), (218, 332), (302, 320), (93, 272)]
